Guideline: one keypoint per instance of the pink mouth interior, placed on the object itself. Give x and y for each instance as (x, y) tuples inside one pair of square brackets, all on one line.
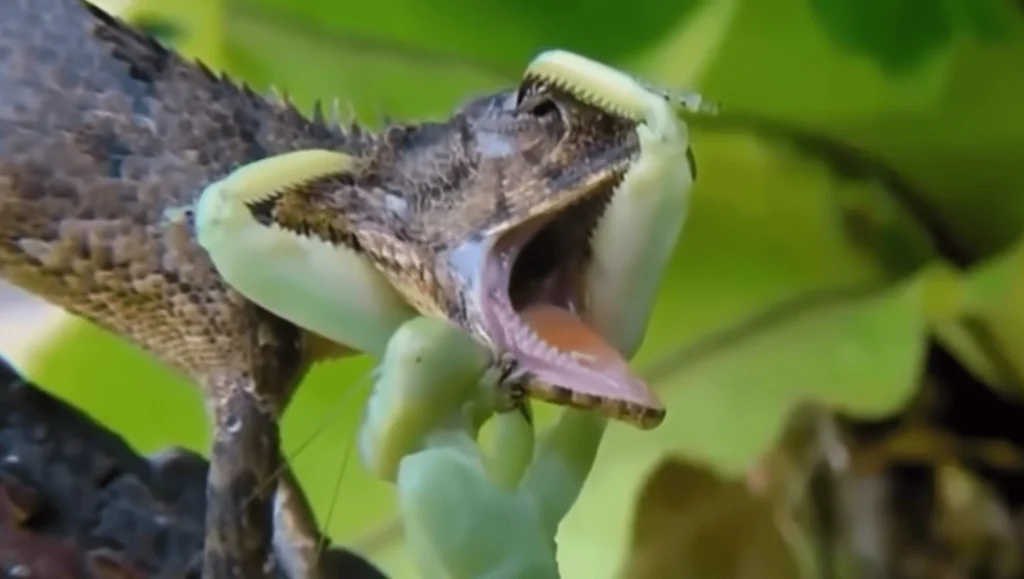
[(566, 332), (549, 336)]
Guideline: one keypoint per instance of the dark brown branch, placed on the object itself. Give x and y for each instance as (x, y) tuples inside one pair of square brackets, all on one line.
[(77, 502)]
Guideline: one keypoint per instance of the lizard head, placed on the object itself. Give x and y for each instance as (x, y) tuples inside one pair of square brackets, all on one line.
[(539, 219), (579, 190)]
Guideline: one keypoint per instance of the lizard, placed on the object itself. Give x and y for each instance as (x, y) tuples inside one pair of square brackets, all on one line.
[(527, 243), (107, 139)]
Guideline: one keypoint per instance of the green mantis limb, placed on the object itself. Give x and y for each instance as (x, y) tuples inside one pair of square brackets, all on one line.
[(470, 512), (328, 289), (638, 232)]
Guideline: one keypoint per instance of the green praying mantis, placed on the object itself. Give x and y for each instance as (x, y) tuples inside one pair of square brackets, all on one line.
[(471, 510)]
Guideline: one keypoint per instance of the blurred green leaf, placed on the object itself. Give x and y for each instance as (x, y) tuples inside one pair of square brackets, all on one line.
[(989, 338), (896, 34), (996, 286), (949, 129), (801, 75), (165, 30), (899, 35), (985, 19), (498, 35), (367, 83), (858, 354), (198, 26), (378, 60), (961, 162)]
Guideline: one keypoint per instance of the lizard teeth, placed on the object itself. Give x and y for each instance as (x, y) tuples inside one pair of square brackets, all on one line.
[(527, 339)]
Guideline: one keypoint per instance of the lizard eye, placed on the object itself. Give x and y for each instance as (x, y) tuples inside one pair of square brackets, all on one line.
[(543, 107), (532, 99)]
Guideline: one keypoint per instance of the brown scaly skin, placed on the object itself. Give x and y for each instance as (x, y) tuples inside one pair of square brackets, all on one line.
[(459, 191), (77, 502), (107, 139)]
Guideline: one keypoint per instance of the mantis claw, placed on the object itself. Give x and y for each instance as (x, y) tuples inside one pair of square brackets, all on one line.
[(419, 434), (328, 289)]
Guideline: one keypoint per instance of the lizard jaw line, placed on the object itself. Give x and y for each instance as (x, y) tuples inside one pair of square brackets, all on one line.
[(584, 378)]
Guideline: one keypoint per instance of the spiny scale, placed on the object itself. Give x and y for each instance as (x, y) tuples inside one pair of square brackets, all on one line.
[(318, 112)]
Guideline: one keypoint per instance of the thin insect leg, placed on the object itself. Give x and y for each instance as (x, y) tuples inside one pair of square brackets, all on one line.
[(512, 388), (299, 543), (509, 370)]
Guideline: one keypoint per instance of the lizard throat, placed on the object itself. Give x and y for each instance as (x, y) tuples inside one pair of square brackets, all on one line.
[(535, 310)]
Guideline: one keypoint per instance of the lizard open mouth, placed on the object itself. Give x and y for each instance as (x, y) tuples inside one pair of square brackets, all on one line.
[(536, 310), (536, 305), (588, 253)]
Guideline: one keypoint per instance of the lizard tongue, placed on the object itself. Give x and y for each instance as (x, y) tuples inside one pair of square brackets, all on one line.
[(592, 367), (566, 332)]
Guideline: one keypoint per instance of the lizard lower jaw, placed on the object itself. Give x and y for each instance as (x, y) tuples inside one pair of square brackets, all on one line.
[(535, 310)]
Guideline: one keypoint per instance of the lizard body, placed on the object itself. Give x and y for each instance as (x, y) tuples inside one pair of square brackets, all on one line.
[(107, 140)]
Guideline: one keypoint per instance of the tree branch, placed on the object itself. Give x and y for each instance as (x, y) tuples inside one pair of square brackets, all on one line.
[(76, 502)]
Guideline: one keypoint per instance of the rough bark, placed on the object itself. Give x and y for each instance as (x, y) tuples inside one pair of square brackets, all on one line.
[(77, 502)]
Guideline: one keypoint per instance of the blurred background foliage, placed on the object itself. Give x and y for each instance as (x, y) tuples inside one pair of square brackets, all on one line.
[(855, 239)]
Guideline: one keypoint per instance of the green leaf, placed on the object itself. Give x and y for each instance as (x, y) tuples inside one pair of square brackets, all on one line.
[(897, 34), (381, 60), (197, 26), (989, 338), (498, 35), (858, 355), (368, 83), (800, 75), (900, 34), (985, 19)]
